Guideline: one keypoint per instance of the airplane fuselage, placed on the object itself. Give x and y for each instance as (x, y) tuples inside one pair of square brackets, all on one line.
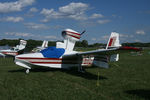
[(37, 59), (8, 52)]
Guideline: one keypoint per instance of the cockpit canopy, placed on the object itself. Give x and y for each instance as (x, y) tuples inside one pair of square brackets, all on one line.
[(53, 52)]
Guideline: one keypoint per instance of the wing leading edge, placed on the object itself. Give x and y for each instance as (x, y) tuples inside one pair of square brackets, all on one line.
[(106, 51)]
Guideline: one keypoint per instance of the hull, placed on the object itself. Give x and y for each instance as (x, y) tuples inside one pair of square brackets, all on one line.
[(29, 62), (8, 53), (64, 62)]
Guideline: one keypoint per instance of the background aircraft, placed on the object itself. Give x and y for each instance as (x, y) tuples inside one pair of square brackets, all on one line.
[(63, 55), (44, 45), (14, 50)]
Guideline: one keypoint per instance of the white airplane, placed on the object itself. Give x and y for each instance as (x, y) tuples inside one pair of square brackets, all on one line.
[(63, 55), (14, 50), (44, 45)]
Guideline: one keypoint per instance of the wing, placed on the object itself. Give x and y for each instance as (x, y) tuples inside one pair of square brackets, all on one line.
[(106, 51)]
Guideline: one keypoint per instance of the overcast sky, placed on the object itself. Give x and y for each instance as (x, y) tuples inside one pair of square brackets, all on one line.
[(45, 19)]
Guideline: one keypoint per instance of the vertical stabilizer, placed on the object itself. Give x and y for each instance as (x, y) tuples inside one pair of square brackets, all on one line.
[(21, 46), (113, 40), (45, 44)]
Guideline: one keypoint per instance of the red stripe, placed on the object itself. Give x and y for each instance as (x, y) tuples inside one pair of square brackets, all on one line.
[(110, 42), (40, 58), (47, 62), (52, 63), (73, 33), (87, 63), (74, 36), (16, 53), (9, 52), (129, 48)]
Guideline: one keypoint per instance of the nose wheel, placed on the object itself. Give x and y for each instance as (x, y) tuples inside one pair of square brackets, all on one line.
[(27, 71)]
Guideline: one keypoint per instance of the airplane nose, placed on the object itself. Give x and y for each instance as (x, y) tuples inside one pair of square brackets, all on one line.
[(28, 57), (16, 58), (22, 61), (21, 58)]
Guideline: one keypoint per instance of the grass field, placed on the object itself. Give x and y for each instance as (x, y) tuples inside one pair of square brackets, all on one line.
[(128, 79)]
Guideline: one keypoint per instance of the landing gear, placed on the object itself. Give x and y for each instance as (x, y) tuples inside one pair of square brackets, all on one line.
[(80, 68), (27, 71)]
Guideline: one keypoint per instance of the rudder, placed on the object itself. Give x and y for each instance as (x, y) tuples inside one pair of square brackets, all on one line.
[(113, 41)]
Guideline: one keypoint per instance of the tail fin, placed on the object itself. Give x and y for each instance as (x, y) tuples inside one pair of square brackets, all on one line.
[(45, 44), (113, 40), (112, 43), (22, 45), (70, 38)]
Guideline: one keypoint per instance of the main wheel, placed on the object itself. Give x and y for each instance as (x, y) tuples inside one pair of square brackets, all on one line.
[(27, 71)]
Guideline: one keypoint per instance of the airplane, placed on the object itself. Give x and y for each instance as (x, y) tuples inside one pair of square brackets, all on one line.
[(14, 50), (63, 56), (38, 49)]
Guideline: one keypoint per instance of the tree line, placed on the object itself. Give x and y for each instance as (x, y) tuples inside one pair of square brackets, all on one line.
[(84, 43)]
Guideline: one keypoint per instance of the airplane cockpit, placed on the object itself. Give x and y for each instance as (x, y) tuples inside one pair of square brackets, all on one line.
[(14, 49), (53, 52)]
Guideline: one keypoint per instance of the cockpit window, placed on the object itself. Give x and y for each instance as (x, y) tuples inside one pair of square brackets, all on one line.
[(53, 52), (16, 49), (12, 49)]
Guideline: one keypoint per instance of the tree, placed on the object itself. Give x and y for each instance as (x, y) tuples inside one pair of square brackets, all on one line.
[(84, 43)]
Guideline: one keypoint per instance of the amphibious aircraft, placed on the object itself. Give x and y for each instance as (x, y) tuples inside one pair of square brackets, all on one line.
[(14, 50), (44, 45), (63, 55)]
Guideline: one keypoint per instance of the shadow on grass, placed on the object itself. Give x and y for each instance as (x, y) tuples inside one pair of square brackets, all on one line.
[(140, 93), (40, 69), (85, 75), (73, 71)]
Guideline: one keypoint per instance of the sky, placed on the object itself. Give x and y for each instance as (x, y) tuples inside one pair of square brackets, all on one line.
[(46, 19)]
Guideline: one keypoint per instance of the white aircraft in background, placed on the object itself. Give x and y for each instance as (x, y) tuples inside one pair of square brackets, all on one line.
[(44, 45), (63, 55), (14, 50)]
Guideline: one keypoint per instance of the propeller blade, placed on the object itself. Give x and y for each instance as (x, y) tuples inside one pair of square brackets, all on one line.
[(83, 32)]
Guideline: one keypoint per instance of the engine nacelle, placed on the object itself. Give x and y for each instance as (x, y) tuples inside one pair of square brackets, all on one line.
[(70, 38), (71, 35)]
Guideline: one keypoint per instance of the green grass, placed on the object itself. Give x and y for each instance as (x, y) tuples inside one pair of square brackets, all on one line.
[(128, 79)]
